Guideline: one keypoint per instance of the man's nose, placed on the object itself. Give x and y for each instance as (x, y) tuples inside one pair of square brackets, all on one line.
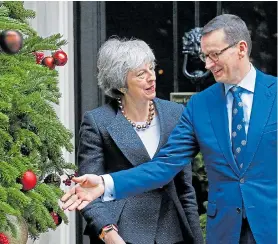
[(209, 63)]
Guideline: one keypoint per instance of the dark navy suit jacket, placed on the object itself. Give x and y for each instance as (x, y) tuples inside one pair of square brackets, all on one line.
[(108, 143)]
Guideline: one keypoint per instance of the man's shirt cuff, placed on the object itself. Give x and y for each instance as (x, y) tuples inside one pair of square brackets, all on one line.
[(109, 189)]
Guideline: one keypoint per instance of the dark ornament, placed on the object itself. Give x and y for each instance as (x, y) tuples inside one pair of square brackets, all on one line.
[(25, 150), (11, 41), (53, 179)]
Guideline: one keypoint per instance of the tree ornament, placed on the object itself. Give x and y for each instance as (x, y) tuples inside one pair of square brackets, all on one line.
[(67, 181), (11, 41), (61, 58), (4, 239), (49, 62), (53, 179), (25, 150), (56, 218), (39, 57), (28, 180)]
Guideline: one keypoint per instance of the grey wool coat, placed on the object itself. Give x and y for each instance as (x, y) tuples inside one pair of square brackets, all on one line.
[(108, 143)]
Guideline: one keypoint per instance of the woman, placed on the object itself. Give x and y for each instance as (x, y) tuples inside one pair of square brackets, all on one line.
[(125, 133)]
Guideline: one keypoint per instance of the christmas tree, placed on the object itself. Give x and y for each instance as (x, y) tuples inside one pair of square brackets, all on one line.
[(31, 136)]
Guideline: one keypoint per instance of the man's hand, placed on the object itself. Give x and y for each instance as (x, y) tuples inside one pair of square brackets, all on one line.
[(89, 188), (112, 237)]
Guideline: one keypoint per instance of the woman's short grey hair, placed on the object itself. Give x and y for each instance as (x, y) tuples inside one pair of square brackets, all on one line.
[(234, 28), (116, 58)]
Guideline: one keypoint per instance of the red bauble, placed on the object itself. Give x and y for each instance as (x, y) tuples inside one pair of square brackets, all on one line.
[(56, 218), (39, 57), (49, 62), (4, 239), (28, 180), (11, 41), (61, 58)]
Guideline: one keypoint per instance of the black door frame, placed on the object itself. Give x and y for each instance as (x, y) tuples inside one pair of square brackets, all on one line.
[(89, 34)]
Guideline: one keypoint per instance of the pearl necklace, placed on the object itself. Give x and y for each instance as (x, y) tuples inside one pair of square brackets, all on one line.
[(147, 124)]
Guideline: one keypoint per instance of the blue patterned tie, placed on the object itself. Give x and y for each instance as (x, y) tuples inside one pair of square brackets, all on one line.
[(238, 126)]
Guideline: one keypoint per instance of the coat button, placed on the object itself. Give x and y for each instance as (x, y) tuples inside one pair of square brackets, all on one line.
[(238, 210), (241, 180)]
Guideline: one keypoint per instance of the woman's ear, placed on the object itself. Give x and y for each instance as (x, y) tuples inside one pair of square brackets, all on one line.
[(123, 90)]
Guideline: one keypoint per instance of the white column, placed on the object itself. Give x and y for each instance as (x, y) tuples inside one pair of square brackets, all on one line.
[(52, 18)]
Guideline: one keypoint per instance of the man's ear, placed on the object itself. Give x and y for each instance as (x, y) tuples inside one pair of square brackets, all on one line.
[(243, 48)]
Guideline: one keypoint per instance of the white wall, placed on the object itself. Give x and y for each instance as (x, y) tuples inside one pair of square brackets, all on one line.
[(52, 18)]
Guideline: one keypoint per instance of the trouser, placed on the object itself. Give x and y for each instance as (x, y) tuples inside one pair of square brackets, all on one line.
[(246, 235)]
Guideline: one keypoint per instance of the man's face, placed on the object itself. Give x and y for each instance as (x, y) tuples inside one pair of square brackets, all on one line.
[(226, 66)]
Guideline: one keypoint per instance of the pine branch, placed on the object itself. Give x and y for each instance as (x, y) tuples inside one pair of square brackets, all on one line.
[(31, 134), (17, 10)]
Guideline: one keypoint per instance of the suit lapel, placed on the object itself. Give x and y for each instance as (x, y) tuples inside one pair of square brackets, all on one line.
[(264, 96), (130, 143), (161, 116), (127, 140), (219, 120)]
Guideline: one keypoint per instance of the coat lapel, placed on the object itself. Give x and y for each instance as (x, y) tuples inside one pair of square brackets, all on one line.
[(264, 96), (219, 120), (127, 140), (130, 143), (161, 116)]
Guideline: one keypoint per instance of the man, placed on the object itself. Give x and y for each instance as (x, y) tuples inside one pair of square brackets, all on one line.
[(234, 125)]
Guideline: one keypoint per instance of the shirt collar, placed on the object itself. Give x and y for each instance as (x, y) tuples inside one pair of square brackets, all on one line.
[(248, 82)]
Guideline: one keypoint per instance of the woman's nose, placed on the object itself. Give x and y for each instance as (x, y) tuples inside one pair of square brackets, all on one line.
[(152, 75)]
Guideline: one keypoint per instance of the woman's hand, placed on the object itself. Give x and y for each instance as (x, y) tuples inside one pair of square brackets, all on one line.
[(89, 188), (113, 237)]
